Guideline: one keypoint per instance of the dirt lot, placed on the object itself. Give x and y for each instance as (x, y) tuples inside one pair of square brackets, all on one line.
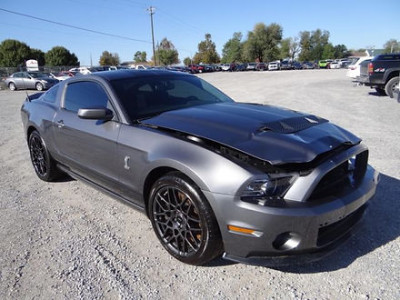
[(67, 241)]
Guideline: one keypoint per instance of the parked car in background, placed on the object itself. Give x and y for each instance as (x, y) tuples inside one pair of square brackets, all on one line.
[(251, 66), (30, 80), (228, 67), (81, 70), (261, 66), (345, 62), (353, 70), (63, 75), (274, 65), (254, 183), (286, 65), (324, 64), (297, 65), (308, 65), (241, 67), (335, 64), (382, 73)]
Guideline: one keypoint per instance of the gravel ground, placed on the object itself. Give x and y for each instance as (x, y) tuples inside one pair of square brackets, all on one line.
[(65, 240)]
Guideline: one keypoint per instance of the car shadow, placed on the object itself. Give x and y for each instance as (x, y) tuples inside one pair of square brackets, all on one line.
[(377, 95), (64, 178), (380, 226)]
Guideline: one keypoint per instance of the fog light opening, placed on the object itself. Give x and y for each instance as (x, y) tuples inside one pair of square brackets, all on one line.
[(287, 241)]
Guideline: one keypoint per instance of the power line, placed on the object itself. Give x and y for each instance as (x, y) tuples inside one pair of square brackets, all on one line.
[(75, 27)]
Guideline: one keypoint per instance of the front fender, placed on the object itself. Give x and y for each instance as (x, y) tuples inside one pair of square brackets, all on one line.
[(150, 149)]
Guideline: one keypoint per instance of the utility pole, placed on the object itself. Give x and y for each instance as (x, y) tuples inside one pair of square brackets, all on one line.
[(151, 9)]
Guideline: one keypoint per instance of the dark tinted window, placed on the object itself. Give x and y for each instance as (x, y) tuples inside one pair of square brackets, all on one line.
[(85, 94), (388, 57), (148, 96), (51, 94)]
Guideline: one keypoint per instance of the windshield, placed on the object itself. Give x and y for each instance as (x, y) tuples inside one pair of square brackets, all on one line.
[(38, 75), (148, 96)]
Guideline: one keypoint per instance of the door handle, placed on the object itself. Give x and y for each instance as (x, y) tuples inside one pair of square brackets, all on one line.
[(60, 124)]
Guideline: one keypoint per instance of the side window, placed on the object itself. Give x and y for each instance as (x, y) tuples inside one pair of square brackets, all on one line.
[(85, 94), (50, 95)]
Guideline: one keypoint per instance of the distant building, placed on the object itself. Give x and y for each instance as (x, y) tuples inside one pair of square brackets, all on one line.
[(367, 52), (374, 52)]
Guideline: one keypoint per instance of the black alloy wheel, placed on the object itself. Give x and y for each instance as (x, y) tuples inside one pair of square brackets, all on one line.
[(183, 220), (44, 165)]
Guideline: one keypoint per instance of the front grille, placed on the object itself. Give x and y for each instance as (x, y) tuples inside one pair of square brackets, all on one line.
[(332, 232), (346, 175)]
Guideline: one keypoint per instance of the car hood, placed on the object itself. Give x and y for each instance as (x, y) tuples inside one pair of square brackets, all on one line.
[(269, 133)]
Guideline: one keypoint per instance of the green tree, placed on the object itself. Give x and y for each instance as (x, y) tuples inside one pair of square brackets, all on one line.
[(285, 48), (392, 46), (328, 51), (187, 61), (313, 44), (262, 43), (207, 52), (39, 56), (109, 59), (232, 50), (341, 51), (60, 56), (289, 48), (166, 53), (305, 45), (13, 53), (140, 57)]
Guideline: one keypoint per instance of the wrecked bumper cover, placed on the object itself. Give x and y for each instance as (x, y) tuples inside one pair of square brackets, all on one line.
[(299, 233)]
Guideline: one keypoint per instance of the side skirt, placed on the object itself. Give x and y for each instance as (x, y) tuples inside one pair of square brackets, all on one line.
[(102, 189)]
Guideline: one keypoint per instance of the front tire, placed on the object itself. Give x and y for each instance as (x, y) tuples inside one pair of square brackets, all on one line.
[(390, 85), (183, 220), (45, 167), (39, 86)]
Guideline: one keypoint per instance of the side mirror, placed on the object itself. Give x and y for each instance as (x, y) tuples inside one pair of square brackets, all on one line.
[(95, 114)]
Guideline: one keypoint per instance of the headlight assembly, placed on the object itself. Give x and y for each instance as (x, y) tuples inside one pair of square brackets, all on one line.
[(268, 191)]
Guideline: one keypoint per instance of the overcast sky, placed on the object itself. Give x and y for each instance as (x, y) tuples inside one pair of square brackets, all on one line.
[(356, 24)]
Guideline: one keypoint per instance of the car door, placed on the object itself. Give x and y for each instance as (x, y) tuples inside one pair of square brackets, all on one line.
[(88, 147), (29, 81)]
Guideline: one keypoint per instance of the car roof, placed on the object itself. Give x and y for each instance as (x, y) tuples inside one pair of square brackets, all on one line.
[(123, 74)]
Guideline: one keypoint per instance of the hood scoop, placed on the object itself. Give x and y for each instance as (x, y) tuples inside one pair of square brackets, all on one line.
[(292, 125)]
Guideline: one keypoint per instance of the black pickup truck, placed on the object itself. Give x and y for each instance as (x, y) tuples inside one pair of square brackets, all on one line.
[(382, 73)]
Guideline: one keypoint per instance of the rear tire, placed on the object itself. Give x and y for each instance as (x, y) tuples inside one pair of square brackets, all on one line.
[(390, 85), (183, 220), (12, 86)]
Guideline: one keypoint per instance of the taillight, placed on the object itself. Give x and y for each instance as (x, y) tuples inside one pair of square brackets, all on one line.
[(370, 68)]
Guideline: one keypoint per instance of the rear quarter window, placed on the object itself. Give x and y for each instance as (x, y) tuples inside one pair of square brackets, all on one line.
[(51, 95)]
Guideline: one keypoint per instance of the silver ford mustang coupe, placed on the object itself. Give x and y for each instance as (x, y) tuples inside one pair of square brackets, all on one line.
[(255, 183)]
